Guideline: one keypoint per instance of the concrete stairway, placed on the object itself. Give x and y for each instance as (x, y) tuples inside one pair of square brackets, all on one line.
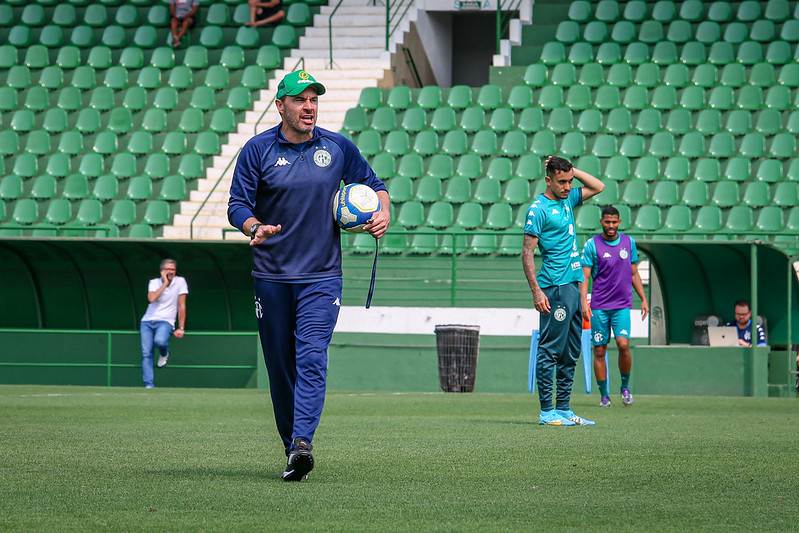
[(360, 59)]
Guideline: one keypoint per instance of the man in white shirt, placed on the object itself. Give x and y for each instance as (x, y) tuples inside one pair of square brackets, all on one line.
[(167, 297)]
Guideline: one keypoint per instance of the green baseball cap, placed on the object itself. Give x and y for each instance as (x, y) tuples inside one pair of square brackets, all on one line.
[(294, 83)]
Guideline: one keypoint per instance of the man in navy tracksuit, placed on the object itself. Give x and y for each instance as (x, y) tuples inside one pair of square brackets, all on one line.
[(281, 196)]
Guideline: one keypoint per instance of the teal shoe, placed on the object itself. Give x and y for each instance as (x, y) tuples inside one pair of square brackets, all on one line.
[(552, 418), (574, 419)]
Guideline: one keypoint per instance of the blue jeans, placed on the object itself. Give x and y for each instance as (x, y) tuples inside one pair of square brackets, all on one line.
[(154, 333)]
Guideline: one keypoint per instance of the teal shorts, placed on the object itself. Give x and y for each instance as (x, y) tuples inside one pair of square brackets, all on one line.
[(604, 321)]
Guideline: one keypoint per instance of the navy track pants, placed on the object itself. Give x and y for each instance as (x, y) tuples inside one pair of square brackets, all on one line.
[(295, 323)]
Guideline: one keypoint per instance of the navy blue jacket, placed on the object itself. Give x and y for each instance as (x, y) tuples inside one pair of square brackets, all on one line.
[(279, 182)]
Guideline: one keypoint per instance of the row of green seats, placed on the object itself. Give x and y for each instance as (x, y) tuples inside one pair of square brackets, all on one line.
[(156, 165), (651, 75), (75, 187), (139, 230), (459, 190), (468, 215), (694, 53), (131, 16), (147, 36), (516, 143), (469, 166), (90, 212), (680, 31), (447, 242), (619, 120), (689, 10)]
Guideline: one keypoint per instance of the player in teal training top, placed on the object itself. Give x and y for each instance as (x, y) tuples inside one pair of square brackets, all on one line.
[(556, 291)]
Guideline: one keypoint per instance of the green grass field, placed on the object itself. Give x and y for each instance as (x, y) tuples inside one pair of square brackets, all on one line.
[(117, 459)]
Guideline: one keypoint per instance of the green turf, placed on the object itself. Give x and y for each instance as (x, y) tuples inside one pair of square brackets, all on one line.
[(116, 459)]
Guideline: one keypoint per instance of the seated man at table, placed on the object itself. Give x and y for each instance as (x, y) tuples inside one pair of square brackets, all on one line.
[(743, 321)]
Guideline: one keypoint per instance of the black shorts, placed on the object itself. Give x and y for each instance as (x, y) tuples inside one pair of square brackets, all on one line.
[(267, 12)]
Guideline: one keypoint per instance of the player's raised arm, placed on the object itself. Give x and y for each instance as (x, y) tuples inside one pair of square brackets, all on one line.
[(591, 185)]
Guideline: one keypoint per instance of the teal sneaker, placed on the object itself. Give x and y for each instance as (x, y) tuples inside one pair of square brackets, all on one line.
[(552, 418), (574, 419)]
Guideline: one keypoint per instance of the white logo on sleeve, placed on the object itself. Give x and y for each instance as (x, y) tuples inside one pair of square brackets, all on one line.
[(337, 302)]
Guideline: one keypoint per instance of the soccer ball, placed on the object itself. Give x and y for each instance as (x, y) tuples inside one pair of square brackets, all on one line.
[(354, 205)]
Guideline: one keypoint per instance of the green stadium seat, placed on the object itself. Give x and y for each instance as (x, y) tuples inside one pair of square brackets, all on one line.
[(423, 242), (411, 214), (285, 36), (139, 188), (708, 219), (23, 120), (499, 216), (770, 219), (678, 122), (59, 165), (678, 219), (207, 143), (105, 143), (665, 193), (750, 52), (750, 98), (157, 213), (180, 77), (123, 166), (216, 77), (8, 56), (708, 122), (18, 77), (753, 146), (197, 58), (521, 96), (211, 37), (149, 78), (355, 120), (175, 143), (550, 97), (581, 53), (531, 120), (692, 10), (472, 119), (90, 212), (232, 57), (725, 194), (191, 120), (738, 169), (59, 211), (123, 213), (636, 98), (662, 145), (514, 144), (481, 244), (679, 31), (248, 37), (489, 97), (608, 53), (553, 53), (632, 146), (762, 75), (241, 14), (191, 166), (400, 188), (517, 191), (785, 194), (782, 146), (499, 169), (578, 97), (580, 11), (384, 166), (769, 171), (470, 166), (43, 188), (623, 32), (587, 218), (441, 166), (779, 52), (590, 121), (502, 120), (568, 31), (678, 169), (38, 143), (459, 97), (399, 97), (238, 99), (99, 57), (145, 36), (26, 211), (52, 78), (756, 194), (721, 53), (563, 74), (648, 218), (510, 244), (543, 143), (369, 142), (708, 170), (154, 120), (749, 11), (664, 98), (173, 189), (636, 193), (455, 143), (166, 98), (443, 119), (429, 97), (76, 187), (693, 98), (102, 99), (739, 219), (37, 99), (792, 219), (429, 189), (33, 15), (70, 142), (384, 119), (573, 144), (647, 123), (157, 165), (470, 216), (605, 145), (440, 215), (778, 98), (792, 125), (739, 121), (721, 98), (485, 143), (37, 57), (720, 12), (397, 143), (736, 32), (695, 194), (204, 98), (19, 36), (650, 32), (705, 75), (217, 15), (722, 145), (560, 120), (487, 191), (411, 166)]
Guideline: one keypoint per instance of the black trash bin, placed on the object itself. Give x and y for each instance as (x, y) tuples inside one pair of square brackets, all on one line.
[(457, 346)]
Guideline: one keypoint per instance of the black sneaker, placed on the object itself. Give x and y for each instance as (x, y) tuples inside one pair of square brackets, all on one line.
[(300, 461)]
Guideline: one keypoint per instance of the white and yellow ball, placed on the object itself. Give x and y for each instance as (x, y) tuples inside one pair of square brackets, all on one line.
[(354, 205)]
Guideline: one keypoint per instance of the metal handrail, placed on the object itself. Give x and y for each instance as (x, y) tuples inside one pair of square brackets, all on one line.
[(299, 62), (330, 31), (397, 16), (503, 20)]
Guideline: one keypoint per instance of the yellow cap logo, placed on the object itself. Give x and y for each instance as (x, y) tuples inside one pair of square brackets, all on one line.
[(304, 75)]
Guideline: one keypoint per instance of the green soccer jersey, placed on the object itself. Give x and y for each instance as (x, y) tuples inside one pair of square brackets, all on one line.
[(552, 221)]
